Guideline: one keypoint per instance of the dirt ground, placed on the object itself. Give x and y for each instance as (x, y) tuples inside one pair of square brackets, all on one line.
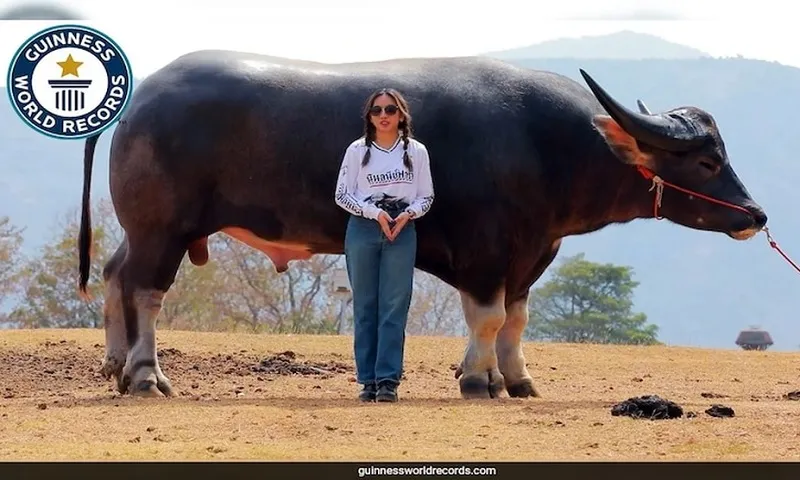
[(236, 402)]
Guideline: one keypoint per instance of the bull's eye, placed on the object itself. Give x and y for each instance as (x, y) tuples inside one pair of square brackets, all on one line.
[(711, 167)]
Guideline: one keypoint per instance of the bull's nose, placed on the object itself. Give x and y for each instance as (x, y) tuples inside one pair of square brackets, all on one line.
[(759, 217)]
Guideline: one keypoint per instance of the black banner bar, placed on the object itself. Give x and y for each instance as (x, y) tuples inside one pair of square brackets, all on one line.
[(355, 470)]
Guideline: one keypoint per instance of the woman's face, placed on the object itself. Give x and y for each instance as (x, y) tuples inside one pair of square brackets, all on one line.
[(384, 114)]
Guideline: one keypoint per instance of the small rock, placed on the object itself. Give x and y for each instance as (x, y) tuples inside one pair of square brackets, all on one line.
[(42, 406), (720, 411), (792, 395), (712, 395)]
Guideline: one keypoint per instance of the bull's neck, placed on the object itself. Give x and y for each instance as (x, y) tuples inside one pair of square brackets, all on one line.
[(605, 191)]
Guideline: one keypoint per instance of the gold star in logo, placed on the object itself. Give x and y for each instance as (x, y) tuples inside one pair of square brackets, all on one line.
[(69, 66)]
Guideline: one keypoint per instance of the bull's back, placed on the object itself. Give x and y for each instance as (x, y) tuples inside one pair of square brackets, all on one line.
[(260, 139)]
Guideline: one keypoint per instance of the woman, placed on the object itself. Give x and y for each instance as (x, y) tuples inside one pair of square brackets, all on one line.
[(385, 184)]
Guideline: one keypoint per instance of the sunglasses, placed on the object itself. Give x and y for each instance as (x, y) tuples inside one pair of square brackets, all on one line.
[(389, 109)]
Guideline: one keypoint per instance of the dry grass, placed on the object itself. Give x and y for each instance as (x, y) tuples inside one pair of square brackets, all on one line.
[(54, 406)]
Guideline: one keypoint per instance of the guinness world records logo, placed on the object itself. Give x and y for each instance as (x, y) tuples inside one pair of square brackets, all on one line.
[(69, 81)]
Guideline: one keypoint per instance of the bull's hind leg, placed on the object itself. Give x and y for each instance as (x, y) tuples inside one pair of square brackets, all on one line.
[(113, 320), (147, 274), (479, 374)]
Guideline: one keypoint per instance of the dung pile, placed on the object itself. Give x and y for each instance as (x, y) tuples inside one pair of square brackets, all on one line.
[(650, 407), (720, 411)]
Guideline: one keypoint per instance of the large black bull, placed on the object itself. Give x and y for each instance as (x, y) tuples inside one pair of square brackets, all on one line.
[(251, 145)]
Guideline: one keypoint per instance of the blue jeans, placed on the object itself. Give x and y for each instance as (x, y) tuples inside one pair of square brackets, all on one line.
[(381, 274)]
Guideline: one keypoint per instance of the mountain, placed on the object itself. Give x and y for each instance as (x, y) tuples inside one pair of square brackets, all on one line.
[(700, 288), (620, 45)]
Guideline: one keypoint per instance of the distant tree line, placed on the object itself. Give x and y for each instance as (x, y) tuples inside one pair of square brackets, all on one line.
[(239, 290)]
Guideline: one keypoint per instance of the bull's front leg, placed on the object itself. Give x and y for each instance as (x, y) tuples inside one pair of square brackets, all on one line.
[(479, 375), (510, 358)]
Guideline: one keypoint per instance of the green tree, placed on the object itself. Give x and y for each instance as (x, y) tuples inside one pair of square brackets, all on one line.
[(586, 302)]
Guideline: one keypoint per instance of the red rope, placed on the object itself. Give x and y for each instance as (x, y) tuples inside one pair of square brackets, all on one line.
[(658, 184), (774, 244)]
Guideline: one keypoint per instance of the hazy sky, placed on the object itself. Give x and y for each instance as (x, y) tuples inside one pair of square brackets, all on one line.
[(154, 32)]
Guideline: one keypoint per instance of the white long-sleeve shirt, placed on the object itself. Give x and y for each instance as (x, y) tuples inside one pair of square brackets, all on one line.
[(384, 176)]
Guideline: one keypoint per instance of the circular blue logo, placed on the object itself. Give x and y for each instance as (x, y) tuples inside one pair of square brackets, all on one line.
[(69, 82)]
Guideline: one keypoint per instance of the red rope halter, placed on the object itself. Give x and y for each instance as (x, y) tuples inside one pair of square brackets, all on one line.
[(658, 185)]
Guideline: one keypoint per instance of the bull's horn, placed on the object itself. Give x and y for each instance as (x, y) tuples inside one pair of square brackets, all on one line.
[(643, 108), (657, 130)]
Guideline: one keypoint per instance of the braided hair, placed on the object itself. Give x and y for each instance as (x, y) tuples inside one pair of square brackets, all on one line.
[(404, 125)]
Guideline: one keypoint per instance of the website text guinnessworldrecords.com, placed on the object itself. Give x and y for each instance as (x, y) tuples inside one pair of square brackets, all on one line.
[(425, 470)]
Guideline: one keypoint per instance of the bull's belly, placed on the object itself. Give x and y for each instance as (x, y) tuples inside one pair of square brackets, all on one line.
[(280, 253)]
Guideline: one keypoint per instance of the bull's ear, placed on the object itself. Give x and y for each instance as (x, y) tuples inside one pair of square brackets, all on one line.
[(621, 142)]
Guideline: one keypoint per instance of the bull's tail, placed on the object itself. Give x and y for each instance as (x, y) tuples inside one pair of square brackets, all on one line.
[(85, 232)]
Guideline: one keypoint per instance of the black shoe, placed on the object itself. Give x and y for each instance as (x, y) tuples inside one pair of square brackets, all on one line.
[(367, 393), (387, 392)]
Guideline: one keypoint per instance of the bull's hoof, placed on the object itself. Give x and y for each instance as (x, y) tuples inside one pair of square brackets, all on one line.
[(522, 389), (482, 385), (146, 389), (111, 367), (164, 386), (123, 382)]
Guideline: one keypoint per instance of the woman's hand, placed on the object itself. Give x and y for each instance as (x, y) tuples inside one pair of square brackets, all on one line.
[(399, 223), (384, 220)]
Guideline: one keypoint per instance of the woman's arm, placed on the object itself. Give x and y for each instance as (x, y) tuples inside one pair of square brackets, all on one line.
[(422, 203), (346, 186)]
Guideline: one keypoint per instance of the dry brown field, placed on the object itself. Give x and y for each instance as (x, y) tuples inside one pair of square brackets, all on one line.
[(236, 400)]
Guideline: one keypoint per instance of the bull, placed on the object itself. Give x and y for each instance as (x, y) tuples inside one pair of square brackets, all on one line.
[(250, 146)]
